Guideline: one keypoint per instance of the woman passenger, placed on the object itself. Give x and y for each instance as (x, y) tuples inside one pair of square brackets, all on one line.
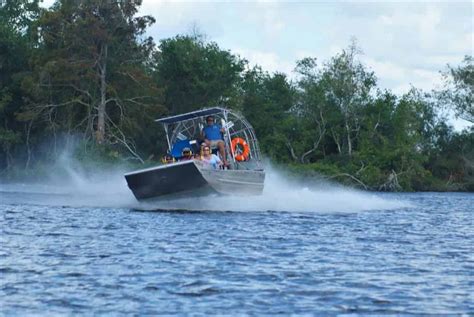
[(211, 159)]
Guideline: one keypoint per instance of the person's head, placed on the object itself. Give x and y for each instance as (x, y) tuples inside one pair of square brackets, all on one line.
[(210, 120), (206, 150), (187, 152), (168, 159)]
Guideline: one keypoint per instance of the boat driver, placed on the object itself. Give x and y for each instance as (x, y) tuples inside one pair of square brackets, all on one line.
[(213, 137)]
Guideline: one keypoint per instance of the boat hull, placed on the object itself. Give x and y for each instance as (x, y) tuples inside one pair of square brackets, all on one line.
[(192, 178), (234, 182), (165, 180)]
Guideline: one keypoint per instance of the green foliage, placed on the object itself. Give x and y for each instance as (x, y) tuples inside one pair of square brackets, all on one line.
[(266, 100), (196, 74), (85, 70), (459, 91), (16, 27), (91, 67), (393, 140), (452, 158)]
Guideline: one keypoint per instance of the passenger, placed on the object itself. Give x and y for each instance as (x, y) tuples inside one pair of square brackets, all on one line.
[(201, 152), (213, 160), (186, 154), (213, 137), (167, 159)]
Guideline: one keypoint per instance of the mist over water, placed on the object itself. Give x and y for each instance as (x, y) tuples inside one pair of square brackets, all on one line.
[(72, 185)]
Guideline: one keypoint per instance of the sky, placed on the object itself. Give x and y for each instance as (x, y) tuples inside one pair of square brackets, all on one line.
[(406, 43)]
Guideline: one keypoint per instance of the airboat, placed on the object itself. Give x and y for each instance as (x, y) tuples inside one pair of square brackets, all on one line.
[(244, 175)]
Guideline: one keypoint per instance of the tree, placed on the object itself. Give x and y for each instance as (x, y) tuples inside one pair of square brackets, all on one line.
[(410, 138), (196, 74), (311, 110), (18, 15), (347, 86), (266, 101), (16, 28), (92, 71), (331, 102), (459, 89), (451, 159)]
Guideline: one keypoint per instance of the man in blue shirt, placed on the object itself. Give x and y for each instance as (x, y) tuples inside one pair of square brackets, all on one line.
[(213, 137)]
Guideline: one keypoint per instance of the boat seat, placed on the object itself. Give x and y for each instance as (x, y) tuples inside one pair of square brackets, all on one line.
[(177, 148)]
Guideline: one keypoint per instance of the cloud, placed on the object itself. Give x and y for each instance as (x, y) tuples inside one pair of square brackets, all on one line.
[(428, 25), (399, 78), (386, 69), (403, 41), (47, 3), (269, 61), (271, 20)]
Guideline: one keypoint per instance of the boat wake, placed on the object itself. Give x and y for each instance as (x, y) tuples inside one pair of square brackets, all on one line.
[(109, 189), (284, 195)]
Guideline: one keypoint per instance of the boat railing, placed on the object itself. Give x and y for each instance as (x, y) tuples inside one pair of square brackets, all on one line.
[(234, 124)]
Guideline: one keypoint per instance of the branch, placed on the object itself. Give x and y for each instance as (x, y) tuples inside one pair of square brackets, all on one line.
[(131, 76), (123, 140), (292, 151), (48, 106), (392, 182), (86, 92), (363, 167), (352, 177), (315, 146)]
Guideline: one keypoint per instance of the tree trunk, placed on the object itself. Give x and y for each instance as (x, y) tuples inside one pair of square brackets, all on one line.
[(315, 146), (100, 134), (8, 157), (292, 151), (336, 140), (28, 148), (349, 141), (392, 183)]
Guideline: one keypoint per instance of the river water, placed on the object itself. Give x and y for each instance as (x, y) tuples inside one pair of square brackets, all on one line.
[(87, 247)]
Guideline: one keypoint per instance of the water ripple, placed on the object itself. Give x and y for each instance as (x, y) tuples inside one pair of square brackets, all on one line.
[(411, 260)]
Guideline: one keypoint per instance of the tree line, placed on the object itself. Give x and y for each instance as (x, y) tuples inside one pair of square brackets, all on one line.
[(85, 70)]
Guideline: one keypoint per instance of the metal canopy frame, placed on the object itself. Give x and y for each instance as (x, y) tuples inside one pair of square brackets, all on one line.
[(191, 115), (189, 126)]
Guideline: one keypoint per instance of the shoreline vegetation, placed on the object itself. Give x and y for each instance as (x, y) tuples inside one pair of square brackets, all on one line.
[(82, 76)]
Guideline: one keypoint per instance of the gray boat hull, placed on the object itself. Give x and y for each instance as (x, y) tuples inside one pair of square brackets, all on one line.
[(193, 178)]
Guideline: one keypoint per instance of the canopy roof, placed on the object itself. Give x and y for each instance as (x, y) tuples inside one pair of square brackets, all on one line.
[(191, 115)]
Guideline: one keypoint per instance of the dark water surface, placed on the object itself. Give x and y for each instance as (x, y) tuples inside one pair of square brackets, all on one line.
[(414, 257)]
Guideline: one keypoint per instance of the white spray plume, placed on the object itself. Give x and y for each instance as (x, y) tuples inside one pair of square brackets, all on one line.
[(69, 183), (283, 194), (72, 185)]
